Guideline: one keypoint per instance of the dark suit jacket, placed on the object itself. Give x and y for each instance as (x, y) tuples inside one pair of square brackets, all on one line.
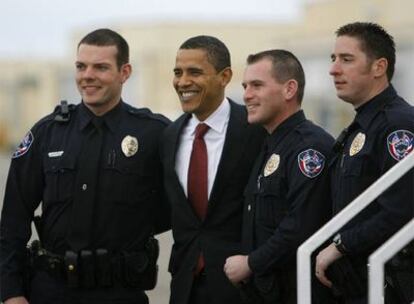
[(219, 235)]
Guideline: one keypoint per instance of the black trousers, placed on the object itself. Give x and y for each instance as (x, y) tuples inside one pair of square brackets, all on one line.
[(199, 291), (48, 290)]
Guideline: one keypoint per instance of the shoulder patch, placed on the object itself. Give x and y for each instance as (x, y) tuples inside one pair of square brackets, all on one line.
[(24, 146), (311, 162), (400, 143)]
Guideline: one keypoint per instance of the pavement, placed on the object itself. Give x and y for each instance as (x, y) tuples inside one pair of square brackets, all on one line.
[(160, 294)]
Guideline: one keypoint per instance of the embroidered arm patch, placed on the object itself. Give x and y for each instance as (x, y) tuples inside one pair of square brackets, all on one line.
[(400, 143), (311, 162), (24, 146)]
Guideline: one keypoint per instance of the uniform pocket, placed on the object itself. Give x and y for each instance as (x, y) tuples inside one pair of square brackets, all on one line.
[(59, 179), (271, 205), (130, 183)]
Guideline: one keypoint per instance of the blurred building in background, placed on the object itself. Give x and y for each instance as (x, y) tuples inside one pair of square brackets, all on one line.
[(31, 89)]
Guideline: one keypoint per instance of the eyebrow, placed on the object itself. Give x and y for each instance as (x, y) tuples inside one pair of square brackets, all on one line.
[(341, 55)]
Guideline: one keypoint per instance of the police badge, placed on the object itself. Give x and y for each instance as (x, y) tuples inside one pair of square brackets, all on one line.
[(129, 145), (357, 144), (400, 143), (271, 165)]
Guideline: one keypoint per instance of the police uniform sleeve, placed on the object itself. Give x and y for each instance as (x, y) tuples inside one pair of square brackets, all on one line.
[(308, 208), (395, 207), (163, 210), (23, 194)]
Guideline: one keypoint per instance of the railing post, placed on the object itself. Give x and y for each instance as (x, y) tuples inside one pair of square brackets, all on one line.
[(381, 256), (305, 251)]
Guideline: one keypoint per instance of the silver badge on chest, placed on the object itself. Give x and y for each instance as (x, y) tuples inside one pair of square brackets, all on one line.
[(129, 145), (272, 164), (357, 144)]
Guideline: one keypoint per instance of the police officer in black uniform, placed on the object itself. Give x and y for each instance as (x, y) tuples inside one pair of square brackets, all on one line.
[(286, 197), (95, 169), (381, 135)]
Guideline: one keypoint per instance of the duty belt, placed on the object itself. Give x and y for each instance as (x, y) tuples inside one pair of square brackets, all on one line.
[(99, 268)]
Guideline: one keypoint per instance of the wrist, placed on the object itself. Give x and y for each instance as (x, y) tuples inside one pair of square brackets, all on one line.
[(339, 245)]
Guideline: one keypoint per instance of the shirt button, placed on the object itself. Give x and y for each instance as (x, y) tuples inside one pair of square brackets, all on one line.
[(84, 187), (249, 207)]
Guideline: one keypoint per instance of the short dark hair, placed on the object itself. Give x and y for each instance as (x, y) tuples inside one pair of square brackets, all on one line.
[(375, 42), (217, 53), (285, 66), (107, 37)]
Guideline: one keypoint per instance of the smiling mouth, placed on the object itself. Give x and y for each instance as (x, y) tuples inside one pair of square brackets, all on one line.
[(187, 95), (251, 107), (90, 89)]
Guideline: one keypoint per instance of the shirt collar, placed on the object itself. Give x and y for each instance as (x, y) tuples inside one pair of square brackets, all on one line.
[(272, 140), (216, 121), (367, 112), (111, 119)]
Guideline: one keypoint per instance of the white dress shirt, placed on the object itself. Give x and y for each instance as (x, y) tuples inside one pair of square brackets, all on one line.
[(214, 139)]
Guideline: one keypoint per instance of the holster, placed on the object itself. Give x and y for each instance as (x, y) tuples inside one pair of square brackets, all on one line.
[(399, 274), (140, 268), (263, 289), (346, 279)]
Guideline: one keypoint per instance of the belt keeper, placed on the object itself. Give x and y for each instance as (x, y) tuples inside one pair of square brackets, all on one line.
[(103, 268), (87, 269), (71, 269)]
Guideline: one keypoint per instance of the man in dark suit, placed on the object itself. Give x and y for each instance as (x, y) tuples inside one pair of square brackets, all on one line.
[(207, 154)]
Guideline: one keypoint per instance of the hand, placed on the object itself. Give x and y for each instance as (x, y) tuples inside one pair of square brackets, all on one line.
[(325, 258), (237, 269), (16, 300)]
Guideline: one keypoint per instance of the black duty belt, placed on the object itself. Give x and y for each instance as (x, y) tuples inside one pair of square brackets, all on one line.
[(100, 268)]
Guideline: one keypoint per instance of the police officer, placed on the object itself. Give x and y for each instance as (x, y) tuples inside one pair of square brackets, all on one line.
[(286, 199), (95, 169), (381, 135)]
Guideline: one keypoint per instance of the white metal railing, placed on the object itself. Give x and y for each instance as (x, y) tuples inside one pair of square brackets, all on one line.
[(364, 199), (381, 256)]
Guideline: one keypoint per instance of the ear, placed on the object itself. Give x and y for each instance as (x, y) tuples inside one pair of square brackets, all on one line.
[(226, 75), (290, 89), (126, 70), (380, 67)]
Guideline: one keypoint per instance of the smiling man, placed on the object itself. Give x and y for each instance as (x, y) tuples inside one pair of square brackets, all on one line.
[(207, 156), (95, 169), (381, 135), (287, 197)]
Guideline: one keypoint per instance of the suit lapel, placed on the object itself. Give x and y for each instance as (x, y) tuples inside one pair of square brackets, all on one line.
[(229, 157), (171, 151)]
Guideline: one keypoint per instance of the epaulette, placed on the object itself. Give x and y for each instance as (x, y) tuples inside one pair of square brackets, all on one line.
[(147, 113), (62, 111)]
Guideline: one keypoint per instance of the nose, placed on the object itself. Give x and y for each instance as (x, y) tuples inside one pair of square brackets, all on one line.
[(87, 73), (182, 81), (247, 94), (335, 68)]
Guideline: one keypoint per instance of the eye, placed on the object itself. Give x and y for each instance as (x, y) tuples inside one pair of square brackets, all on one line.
[(177, 73), (102, 68), (196, 73), (79, 66)]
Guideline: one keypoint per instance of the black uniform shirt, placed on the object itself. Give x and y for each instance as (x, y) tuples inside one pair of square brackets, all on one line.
[(286, 199), (381, 134), (46, 167)]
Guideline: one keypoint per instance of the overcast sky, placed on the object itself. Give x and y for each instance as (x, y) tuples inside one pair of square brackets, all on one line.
[(41, 28)]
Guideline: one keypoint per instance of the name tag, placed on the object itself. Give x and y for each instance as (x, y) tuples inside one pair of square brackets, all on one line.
[(55, 154)]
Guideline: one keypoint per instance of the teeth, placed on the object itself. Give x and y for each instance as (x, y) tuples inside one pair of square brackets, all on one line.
[(250, 107), (188, 94)]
